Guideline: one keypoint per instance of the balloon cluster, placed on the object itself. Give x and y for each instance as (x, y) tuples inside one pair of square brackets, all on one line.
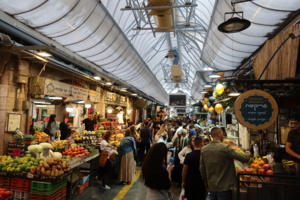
[(210, 96)]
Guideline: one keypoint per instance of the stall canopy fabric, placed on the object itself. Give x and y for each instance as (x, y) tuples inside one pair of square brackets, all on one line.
[(121, 43)]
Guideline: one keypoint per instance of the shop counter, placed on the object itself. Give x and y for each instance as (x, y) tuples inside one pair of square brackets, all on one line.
[(267, 187)]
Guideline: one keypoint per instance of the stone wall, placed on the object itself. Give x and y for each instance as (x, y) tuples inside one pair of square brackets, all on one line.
[(14, 94)]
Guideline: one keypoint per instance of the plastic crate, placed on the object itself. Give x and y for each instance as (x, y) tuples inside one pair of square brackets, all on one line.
[(20, 195), (58, 195), (5, 183), (81, 188), (20, 184), (47, 188)]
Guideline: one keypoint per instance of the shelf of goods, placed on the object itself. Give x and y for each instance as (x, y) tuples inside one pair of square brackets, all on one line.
[(262, 178), (42, 178)]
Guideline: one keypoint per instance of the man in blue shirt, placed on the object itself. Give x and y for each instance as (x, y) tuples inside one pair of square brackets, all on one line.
[(146, 139), (192, 131)]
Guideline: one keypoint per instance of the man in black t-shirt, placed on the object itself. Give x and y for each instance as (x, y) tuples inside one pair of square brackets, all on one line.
[(191, 178), (292, 146), (89, 123)]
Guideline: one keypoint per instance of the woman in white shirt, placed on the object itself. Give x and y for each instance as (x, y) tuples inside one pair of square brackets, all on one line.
[(187, 149), (106, 151)]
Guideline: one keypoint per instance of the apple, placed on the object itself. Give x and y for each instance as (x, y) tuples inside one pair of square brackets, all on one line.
[(269, 179), (267, 167), (261, 171), (270, 172)]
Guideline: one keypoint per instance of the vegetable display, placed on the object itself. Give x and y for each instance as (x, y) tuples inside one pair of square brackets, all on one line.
[(76, 151), (52, 167), (4, 193)]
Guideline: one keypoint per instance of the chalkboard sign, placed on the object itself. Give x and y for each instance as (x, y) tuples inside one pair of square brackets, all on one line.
[(256, 109)]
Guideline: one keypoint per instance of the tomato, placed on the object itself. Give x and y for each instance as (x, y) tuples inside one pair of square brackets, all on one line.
[(7, 193)]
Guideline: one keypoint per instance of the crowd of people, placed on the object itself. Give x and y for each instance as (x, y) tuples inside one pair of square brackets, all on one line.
[(178, 152)]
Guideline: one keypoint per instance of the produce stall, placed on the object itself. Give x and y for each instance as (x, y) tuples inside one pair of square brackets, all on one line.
[(263, 178), (37, 168), (41, 170)]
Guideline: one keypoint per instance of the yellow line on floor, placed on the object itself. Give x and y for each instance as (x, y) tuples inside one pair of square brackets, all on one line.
[(126, 188)]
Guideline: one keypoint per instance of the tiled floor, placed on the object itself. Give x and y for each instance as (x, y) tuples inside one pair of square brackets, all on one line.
[(137, 191)]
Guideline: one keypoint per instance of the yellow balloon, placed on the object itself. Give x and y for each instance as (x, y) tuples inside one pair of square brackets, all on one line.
[(206, 100), (215, 94), (203, 103), (205, 107), (220, 88), (218, 108), (211, 109)]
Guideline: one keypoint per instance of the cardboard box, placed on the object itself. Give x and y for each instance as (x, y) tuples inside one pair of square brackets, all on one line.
[(84, 179)]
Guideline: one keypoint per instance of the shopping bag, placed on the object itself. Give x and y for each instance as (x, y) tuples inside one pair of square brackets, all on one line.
[(208, 196), (103, 158), (181, 196)]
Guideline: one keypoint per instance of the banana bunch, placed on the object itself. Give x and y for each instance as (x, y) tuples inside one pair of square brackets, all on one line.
[(78, 136), (289, 166), (115, 143), (60, 144)]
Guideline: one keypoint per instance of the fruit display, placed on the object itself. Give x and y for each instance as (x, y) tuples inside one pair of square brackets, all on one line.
[(238, 149), (78, 137), (76, 151), (289, 167), (52, 167), (41, 136), (4, 193), (90, 149), (116, 138), (60, 144), (17, 138), (257, 162), (19, 164), (29, 139)]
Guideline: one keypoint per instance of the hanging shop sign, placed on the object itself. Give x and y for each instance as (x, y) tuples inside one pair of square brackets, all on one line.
[(111, 116), (94, 96), (256, 109), (115, 99), (56, 88)]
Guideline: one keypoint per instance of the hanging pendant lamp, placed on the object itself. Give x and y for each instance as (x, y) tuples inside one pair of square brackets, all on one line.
[(234, 24), (214, 75)]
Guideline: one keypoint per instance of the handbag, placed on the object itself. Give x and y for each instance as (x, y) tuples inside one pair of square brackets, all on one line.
[(103, 158)]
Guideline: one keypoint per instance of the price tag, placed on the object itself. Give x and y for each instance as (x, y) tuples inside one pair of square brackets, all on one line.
[(29, 175), (16, 152), (46, 152)]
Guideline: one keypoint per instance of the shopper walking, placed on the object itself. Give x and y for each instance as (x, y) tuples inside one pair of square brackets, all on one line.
[(50, 127), (127, 151), (191, 178), (180, 142), (192, 131), (155, 173), (64, 129), (217, 166), (187, 149), (105, 163), (146, 139), (161, 135)]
